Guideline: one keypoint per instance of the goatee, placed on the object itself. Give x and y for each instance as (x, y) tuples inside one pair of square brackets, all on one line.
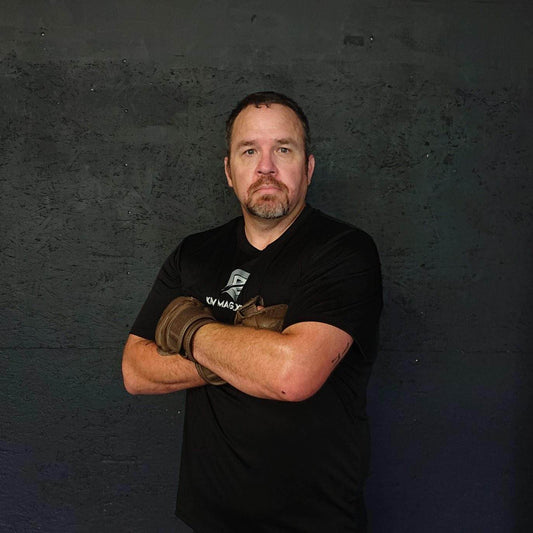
[(268, 207)]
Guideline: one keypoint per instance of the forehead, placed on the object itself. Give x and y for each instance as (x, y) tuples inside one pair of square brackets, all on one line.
[(274, 121)]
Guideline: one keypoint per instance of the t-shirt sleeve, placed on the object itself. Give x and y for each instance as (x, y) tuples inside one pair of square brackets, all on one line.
[(166, 287), (341, 286)]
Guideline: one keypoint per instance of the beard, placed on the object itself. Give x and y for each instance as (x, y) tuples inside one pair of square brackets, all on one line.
[(268, 206)]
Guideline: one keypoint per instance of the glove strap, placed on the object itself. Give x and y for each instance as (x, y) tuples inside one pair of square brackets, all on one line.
[(209, 375), (189, 335)]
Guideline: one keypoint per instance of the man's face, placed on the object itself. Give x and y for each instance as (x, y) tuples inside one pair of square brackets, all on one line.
[(267, 167)]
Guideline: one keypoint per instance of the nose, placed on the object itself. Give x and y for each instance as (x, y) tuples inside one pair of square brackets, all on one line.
[(266, 163)]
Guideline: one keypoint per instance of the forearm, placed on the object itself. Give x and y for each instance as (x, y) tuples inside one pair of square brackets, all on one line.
[(146, 372), (263, 363), (252, 360)]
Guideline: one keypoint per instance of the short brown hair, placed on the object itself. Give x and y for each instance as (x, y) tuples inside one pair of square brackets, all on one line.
[(268, 98)]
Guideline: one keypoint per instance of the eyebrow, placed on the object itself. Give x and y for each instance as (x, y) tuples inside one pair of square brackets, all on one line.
[(285, 140), (242, 144)]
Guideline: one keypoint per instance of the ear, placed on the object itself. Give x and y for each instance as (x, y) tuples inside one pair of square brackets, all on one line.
[(228, 171), (310, 168)]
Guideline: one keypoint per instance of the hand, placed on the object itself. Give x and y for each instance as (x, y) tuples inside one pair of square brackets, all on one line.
[(181, 319), (174, 333), (254, 315)]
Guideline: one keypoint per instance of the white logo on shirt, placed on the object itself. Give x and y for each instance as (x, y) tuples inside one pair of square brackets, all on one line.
[(237, 280)]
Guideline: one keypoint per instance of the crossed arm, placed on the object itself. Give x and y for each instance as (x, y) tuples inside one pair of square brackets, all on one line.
[(289, 366)]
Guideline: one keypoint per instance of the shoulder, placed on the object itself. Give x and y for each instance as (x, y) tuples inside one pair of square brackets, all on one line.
[(331, 236), (207, 239), (201, 243)]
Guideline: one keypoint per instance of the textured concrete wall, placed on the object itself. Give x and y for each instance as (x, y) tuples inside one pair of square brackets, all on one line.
[(111, 146)]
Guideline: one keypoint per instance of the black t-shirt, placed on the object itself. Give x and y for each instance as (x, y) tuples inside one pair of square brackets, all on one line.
[(251, 464)]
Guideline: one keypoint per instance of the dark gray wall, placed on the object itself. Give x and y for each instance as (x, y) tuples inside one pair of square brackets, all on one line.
[(111, 146)]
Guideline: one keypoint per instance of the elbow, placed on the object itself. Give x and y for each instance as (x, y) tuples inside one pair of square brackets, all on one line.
[(131, 388), (297, 386), (129, 377), (129, 381), (293, 395)]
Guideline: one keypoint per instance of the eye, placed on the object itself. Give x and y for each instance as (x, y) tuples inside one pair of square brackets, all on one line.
[(250, 151), (284, 150)]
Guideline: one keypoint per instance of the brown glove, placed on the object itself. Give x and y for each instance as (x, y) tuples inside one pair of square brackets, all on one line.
[(270, 317), (181, 319)]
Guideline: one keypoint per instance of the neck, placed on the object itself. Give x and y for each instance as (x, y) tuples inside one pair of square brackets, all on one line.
[(261, 232)]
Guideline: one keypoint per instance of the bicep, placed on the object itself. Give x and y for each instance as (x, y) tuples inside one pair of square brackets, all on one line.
[(341, 288), (165, 288)]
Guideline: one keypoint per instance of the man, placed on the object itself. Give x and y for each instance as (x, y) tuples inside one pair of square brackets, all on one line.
[(275, 435)]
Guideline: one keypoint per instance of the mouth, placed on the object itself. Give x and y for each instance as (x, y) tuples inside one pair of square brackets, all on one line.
[(267, 187)]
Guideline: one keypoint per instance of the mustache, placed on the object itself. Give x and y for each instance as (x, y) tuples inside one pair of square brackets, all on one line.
[(268, 181)]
